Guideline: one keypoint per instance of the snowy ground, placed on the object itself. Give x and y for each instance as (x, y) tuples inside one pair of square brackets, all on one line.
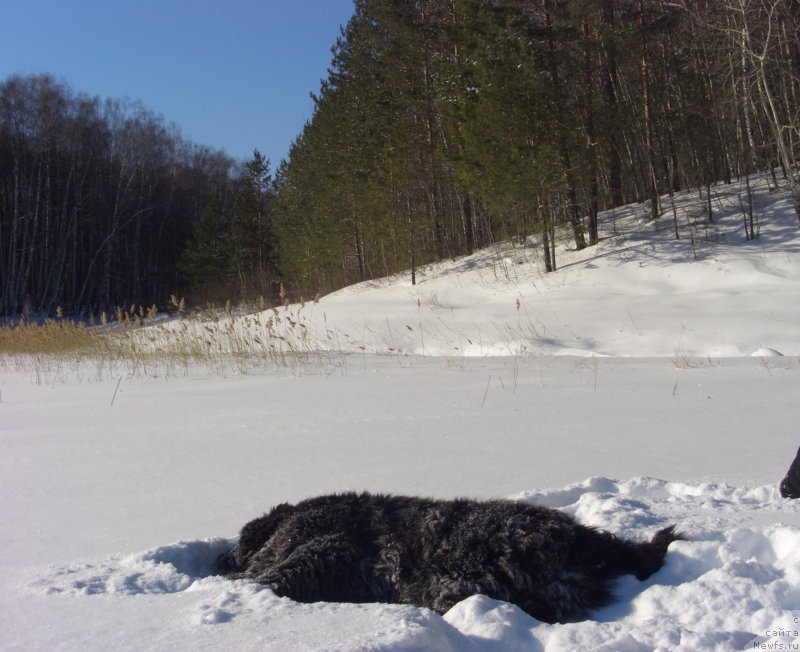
[(621, 389)]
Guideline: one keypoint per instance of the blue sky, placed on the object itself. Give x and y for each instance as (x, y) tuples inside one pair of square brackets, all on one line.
[(232, 74)]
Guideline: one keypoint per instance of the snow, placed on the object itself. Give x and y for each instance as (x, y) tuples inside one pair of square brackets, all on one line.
[(646, 383)]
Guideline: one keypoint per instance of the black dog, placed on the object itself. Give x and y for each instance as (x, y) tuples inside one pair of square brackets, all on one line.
[(435, 553), (790, 485)]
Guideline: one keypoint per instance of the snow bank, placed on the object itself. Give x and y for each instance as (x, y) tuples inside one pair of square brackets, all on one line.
[(638, 293), (731, 581)]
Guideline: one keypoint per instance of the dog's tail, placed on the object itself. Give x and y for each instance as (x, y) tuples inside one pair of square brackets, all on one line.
[(598, 559), (646, 558), (611, 556)]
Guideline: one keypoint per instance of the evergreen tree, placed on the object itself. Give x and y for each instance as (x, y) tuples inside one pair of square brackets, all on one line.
[(232, 251), (449, 123)]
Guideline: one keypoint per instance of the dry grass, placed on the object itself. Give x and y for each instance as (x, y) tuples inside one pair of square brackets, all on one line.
[(210, 341), (51, 337)]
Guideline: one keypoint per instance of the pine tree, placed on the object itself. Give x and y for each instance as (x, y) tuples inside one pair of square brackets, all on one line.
[(232, 251)]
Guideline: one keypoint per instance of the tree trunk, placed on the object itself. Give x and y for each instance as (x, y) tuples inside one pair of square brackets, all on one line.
[(468, 223), (591, 144), (610, 86), (646, 109)]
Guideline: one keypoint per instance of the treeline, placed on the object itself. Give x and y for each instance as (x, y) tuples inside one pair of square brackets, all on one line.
[(444, 125), (103, 205)]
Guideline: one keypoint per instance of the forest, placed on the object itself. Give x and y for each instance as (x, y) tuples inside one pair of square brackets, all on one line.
[(442, 126), (97, 199)]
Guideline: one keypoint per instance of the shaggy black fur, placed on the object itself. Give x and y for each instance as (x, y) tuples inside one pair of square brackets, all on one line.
[(434, 553)]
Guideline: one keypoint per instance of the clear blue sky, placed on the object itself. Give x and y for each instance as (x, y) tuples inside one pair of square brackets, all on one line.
[(232, 74)]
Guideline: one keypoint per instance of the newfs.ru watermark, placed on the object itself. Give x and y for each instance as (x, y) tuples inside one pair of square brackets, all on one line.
[(779, 638)]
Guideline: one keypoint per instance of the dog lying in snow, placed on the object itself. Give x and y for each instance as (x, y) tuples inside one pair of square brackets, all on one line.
[(434, 553)]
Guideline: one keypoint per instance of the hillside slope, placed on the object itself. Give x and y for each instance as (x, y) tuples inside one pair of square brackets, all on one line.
[(640, 292)]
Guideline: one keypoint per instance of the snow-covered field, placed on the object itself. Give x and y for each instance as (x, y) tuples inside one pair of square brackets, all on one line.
[(620, 389)]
